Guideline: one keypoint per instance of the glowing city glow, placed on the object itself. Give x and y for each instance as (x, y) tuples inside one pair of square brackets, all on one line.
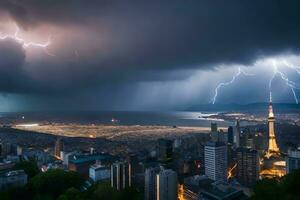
[(230, 171), (223, 84), (26, 44), (180, 192), (27, 125)]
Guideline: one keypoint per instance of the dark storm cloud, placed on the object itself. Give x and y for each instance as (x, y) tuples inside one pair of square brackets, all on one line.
[(12, 58), (125, 40), (159, 34)]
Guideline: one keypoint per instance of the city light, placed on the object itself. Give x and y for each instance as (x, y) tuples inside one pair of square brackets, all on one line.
[(27, 125)]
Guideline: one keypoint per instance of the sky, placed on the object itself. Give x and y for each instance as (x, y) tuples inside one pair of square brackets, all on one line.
[(147, 55)]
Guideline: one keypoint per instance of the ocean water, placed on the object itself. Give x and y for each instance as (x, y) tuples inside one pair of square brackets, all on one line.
[(117, 118)]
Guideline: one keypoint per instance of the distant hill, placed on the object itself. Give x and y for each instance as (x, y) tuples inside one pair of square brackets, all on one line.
[(253, 107)]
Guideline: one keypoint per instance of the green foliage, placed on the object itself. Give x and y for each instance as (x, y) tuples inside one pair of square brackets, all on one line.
[(266, 188), (285, 188), (104, 191), (23, 193), (55, 182), (47, 186), (131, 194), (71, 194), (62, 185), (30, 168)]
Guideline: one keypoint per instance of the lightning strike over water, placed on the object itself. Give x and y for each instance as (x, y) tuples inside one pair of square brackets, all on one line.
[(220, 85), (15, 36)]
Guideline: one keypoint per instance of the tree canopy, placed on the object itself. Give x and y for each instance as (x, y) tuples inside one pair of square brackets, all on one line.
[(285, 188)]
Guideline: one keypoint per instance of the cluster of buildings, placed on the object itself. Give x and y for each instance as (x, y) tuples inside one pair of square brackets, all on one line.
[(221, 165)]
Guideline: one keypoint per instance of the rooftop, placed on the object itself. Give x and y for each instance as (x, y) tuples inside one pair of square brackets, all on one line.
[(81, 158)]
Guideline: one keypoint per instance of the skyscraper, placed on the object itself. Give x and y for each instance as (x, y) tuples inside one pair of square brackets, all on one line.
[(166, 185), (237, 132), (273, 149), (164, 150), (214, 134), (150, 183), (293, 160), (247, 166), (215, 156), (120, 175), (59, 146), (230, 134), (213, 127)]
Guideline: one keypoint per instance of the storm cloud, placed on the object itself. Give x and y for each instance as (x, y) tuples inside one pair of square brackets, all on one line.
[(97, 43)]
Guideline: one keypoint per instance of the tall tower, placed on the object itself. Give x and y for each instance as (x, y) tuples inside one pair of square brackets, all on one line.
[(272, 147)]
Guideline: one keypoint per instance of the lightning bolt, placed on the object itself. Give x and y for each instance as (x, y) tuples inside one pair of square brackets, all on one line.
[(220, 85), (297, 69), (292, 85), (15, 36)]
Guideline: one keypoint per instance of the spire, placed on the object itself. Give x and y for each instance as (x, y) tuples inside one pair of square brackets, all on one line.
[(272, 147), (271, 114)]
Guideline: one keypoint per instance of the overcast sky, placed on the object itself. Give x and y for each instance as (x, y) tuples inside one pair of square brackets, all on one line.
[(136, 55)]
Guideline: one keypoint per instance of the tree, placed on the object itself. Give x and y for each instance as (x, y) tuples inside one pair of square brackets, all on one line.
[(71, 194), (30, 168), (55, 182), (104, 191), (285, 188)]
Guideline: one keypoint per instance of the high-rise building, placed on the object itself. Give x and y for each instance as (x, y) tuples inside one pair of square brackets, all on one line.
[(273, 149), (99, 172), (166, 185), (237, 133), (259, 141), (214, 134), (164, 150), (213, 127), (150, 183), (215, 159), (293, 160), (230, 134), (247, 166), (120, 175), (59, 146), (6, 149)]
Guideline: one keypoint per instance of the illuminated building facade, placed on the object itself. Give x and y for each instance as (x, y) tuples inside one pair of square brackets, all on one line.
[(273, 164), (273, 149)]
